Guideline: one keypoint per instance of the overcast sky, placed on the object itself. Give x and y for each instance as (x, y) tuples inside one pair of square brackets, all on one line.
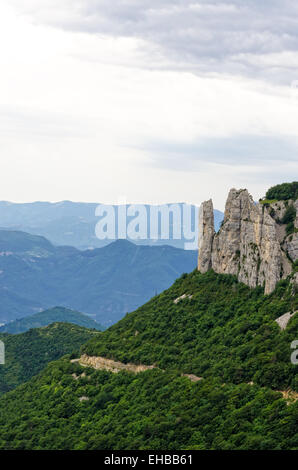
[(155, 101)]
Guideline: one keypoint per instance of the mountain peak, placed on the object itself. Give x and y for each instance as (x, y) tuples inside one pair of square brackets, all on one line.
[(256, 242)]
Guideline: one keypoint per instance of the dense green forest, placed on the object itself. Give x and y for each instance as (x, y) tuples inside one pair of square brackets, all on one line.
[(28, 353), (283, 191), (63, 409), (152, 410), (46, 317), (225, 330)]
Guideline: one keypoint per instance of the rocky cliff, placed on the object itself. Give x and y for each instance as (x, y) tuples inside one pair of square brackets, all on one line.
[(252, 243)]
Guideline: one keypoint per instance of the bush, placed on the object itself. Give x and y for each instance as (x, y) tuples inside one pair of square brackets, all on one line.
[(290, 228), (289, 216), (283, 192)]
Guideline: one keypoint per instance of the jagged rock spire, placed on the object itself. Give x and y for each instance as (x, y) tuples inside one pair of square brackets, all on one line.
[(247, 244), (206, 235)]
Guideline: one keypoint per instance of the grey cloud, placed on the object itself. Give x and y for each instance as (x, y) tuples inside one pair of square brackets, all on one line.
[(205, 36), (237, 151)]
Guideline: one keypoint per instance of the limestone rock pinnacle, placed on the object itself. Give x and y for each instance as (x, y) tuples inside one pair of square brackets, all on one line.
[(248, 243), (206, 235)]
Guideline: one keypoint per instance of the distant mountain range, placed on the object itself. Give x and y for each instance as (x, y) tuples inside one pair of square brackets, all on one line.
[(45, 318), (73, 223), (105, 283), (210, 363)]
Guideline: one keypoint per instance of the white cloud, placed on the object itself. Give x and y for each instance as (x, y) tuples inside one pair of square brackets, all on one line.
[(99, 99), (204, 35)]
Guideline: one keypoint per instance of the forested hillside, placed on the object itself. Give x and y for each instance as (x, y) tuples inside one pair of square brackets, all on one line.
[(63, 409), (28, 353), (221, 328), (210, 325)]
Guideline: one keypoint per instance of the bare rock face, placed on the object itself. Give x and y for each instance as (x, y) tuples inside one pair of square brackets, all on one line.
[(291, 242), (292, 246), (247, 245), (206, 235), (284, 320), (226, 250), (294, 282)]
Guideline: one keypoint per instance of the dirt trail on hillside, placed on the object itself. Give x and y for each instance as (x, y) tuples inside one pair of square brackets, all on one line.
[(97, 362), (102, 363)]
